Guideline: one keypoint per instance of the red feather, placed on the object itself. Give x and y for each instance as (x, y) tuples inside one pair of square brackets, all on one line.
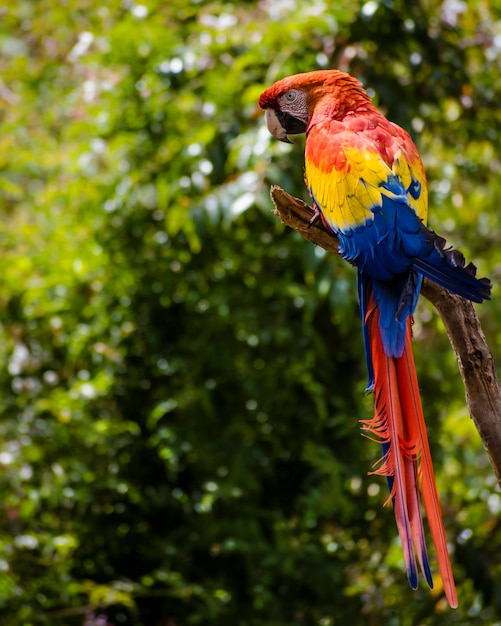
[(399, 425)]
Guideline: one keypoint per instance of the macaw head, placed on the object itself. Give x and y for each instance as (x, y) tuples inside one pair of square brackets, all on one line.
[(292, 105)]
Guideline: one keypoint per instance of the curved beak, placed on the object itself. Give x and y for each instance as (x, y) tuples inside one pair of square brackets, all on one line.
[(281, 124), (275, 127)]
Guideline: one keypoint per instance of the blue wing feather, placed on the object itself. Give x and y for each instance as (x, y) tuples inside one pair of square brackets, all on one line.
[(394, 251)]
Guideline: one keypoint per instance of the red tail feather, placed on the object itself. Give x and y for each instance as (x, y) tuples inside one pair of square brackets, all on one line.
[(399, 426)]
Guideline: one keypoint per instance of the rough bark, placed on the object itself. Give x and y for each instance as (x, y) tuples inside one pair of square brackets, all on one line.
[(476, 364)]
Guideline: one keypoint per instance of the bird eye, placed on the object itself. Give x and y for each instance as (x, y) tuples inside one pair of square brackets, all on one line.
[(290, 96)]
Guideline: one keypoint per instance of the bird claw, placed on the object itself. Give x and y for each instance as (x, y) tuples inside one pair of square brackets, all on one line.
[(317, 214)]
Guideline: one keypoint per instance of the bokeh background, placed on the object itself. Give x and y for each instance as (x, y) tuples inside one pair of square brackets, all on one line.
[(182, 377)]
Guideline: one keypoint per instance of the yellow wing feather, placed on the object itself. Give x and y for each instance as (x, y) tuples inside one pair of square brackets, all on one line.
[(410, 168)]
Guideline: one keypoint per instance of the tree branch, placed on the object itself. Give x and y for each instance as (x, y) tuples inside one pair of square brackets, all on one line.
[(476, 364)]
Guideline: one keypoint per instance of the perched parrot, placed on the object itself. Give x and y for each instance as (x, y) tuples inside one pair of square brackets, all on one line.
[(368, 185)]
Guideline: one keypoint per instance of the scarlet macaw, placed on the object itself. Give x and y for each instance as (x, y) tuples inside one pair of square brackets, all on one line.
[(368, 185)]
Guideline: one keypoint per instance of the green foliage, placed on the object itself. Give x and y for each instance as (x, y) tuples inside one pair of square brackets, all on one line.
[(182, 377)]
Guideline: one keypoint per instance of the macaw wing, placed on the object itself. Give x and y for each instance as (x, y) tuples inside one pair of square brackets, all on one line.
[(369, 194), (350, 174)]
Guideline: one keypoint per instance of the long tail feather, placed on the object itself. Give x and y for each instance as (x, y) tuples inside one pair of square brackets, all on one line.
[(399, 426), (410, 389)]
